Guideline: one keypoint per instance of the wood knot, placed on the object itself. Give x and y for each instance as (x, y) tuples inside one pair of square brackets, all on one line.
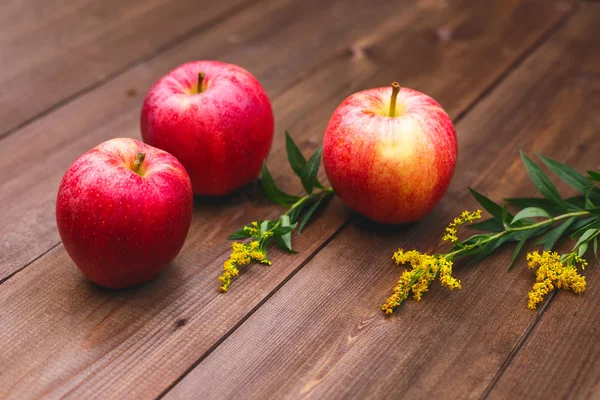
[(131, 93), (180, 322)]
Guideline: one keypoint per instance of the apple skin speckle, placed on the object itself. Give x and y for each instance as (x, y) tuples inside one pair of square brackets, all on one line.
[(120, 228)]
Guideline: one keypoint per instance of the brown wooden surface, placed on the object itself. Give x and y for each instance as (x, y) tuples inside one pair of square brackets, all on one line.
[(53, 51), (305, 326), (452, 344)]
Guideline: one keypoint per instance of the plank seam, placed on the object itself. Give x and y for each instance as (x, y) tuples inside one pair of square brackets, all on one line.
[(254, 309), (29, 263), (517, 347), (151, 55)]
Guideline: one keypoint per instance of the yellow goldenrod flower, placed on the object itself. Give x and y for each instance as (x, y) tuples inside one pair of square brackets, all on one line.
[(242, 254), (452, 228), (553, 273), (424, 269)]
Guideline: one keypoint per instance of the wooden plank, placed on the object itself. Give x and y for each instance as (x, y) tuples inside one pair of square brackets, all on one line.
[(52, 51), (139, 341), (323, 335)]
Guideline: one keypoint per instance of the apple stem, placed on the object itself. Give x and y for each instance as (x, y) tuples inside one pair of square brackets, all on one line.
[(201, 76), (395, 91), (138, 163)]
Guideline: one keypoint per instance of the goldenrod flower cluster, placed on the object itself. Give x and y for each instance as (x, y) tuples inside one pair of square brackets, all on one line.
[(424, 269), (452, 229), (242, 254), (553, 273)]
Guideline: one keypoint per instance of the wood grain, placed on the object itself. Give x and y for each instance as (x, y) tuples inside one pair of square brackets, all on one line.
[(30, 176), (52, 51), (561, 357), (32, 173), (322, 334), (69, 338)]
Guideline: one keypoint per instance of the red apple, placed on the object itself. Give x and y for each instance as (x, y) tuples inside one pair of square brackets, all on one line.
[(215, 118), (123, 211), (389, 154)]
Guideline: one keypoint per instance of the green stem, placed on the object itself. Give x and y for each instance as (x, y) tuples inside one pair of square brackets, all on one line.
[(498, 235), (302, 200)]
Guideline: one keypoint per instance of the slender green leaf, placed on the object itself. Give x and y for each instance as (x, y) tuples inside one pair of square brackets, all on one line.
[(273, 192), (491, 247), (594, 224), (490, 206), (580, 223), (573, 178), (295, 157), (264, 226), (550, 239), (295, 213), (309, 214), (542, 182), (524, 202), (595, 176), (283, 245), (582, 249), (576, 203), (596, 248), (239, 234), (309, 172), (585, 237), (504, 216), (517, 250), (284, 230), (531, 212), (489, 225), (285, 235), (476, 238)]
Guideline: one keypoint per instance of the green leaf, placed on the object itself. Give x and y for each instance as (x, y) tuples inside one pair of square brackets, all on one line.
[(550, 239), (284, 230), (580, 223), (273, 192), (504, 217), (476, 238), (593, 224), (309, 172), (309, 214), (595, 176), (239, 234), (517, 250), (582, 249), (573, 178), (295, 157), (596, 248), (295, 213), (542, 182), (490, 248), (489, 225), (584, 239), (264, 226), (531, 212), (286, 237), (490, 206), (576, 203)]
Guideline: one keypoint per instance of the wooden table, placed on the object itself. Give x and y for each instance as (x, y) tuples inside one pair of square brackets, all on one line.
[(513, 74)]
